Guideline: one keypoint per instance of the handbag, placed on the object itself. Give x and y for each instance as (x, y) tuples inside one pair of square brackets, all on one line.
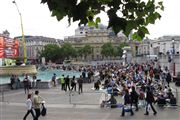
[(43, 110)]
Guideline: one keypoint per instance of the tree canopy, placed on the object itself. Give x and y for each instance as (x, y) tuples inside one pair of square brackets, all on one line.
[(107, 49), (124, 15), (51, 52)]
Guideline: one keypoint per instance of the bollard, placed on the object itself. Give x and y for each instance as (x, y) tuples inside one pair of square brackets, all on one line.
[(2, 95), (70, 97), (174, 69), (177, 95)]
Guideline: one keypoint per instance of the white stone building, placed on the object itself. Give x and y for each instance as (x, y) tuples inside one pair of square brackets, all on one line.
[(35, 44), (160, 46)]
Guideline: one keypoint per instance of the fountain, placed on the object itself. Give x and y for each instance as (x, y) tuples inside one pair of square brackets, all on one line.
[(18, 70)]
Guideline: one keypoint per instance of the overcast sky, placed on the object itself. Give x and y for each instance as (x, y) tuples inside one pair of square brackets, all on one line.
[(37, 20)]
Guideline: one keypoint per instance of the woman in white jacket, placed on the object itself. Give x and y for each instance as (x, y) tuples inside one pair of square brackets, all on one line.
[(29, 107)]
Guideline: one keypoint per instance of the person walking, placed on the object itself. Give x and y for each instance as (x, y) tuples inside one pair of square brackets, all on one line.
[(37, 104), (135, 98), (26, 82), (149, 99), (127, 103), (73, 83), (80, 84), (29, 107)]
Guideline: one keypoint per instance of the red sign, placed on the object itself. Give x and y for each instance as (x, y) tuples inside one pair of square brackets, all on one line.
[(9, 47)]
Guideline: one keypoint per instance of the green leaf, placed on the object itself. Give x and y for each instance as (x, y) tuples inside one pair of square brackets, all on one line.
[(135, 36), (129, 27), (142, 12), (160, 3), (91, 23), (157, 15), (98, 20), (150, 19), (144, 30)]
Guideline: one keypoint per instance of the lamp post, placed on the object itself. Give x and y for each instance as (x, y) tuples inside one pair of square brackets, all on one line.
[(23, 37), (173, 56)]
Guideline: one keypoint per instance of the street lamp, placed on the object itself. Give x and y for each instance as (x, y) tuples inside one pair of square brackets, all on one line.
[(173, 56), (23, 37)]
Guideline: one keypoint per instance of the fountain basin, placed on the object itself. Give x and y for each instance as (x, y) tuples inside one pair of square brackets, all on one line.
[(17, 70)]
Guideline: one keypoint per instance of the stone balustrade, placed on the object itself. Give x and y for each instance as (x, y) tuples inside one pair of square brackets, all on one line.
[(17, 70)]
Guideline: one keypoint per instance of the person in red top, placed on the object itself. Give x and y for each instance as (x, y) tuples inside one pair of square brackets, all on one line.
[(151, 74)]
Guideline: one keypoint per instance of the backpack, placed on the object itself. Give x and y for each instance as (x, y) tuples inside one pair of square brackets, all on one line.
[(43, 111)]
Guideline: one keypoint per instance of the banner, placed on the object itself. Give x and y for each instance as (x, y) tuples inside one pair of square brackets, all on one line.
[(9, 47), (2, 46)]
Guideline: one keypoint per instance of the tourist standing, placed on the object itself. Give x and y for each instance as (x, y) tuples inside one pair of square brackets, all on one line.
[(12, 81), (54, 80), (29, 107), (26, 82), (62, 82), (37, 104), (17, 82), (80, 84), (149, 99), (168, 78), (34, 77), (67, 82)]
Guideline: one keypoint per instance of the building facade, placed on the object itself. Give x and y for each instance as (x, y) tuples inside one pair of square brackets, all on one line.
[(161, 46), (35, 44), (95, 37)]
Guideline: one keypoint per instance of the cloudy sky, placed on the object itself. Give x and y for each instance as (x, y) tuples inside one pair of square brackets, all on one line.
[(37, 20)]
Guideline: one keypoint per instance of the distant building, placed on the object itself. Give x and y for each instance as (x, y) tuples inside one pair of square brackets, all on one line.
[(160, 46), (95, 37), (35, 44)]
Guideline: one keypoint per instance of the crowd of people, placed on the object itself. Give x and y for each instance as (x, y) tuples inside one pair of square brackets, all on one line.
[(15, 82), (139, 84)]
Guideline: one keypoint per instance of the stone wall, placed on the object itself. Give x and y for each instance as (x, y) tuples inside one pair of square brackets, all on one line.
[(17, 70), (40, 84)]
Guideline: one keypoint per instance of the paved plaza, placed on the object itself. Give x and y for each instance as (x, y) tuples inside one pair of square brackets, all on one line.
[(85, 106)]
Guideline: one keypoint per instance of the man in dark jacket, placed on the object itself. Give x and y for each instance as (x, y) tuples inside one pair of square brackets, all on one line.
[(168, 78), (80, 85), (149, 99), (134, 97), (67, 81), (127, 101)]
